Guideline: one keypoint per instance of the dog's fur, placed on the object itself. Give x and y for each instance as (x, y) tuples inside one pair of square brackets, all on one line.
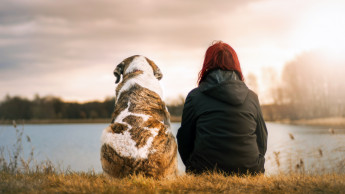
[(139, 139)]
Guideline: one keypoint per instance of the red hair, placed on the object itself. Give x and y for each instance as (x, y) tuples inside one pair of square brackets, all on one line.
[(220, 56)]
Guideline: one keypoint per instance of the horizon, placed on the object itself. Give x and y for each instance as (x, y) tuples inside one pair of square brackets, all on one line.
[(50, 48)]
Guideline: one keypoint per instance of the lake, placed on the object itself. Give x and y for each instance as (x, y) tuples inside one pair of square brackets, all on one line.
[(291, 148)]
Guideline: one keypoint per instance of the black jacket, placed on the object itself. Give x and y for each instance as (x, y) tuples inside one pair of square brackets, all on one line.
[(222, 127)]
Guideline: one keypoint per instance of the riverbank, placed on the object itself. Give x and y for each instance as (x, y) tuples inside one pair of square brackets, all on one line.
[(54, 121), (69, 121), (207, 183), (331, 122)]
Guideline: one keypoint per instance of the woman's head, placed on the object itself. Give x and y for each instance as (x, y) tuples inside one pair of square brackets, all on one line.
[(220, 56)]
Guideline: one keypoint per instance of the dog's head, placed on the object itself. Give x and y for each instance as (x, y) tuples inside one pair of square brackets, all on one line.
[(134, 63)]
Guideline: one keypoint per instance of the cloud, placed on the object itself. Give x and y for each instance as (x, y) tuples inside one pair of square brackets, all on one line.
[(43, 42), (41, 36)]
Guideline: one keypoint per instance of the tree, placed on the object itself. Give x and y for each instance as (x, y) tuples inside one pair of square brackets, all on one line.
[(15, 108), (313, 86)]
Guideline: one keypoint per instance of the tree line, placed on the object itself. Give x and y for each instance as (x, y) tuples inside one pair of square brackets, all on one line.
[(311, 86), (51, 107)]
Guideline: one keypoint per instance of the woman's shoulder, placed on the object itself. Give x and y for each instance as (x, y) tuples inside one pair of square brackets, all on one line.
[(253, 98), (193, 94), (252, 94)]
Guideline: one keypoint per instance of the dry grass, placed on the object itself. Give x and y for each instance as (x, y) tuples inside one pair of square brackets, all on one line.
[(207, 183)]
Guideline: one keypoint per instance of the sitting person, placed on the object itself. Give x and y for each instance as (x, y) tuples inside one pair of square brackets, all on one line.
[(222, 125)]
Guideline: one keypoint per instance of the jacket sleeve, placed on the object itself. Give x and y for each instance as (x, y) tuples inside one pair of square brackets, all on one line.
[(261, 132), (186, 133)]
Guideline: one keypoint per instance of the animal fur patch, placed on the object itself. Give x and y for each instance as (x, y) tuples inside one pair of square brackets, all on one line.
[(139, 139)]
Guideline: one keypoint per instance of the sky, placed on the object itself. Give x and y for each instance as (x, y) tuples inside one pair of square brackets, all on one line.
[(69, 49)]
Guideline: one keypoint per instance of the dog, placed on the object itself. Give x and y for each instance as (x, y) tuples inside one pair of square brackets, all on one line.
[(139, 139)]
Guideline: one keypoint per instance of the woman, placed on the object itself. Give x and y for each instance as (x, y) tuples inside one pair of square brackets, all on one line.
[(222, 126)]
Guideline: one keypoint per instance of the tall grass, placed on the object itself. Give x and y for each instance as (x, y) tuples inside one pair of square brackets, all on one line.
[(20, 174), (16, 163), (206, 183)]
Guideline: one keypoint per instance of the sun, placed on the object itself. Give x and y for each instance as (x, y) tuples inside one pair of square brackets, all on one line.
[(322, 26)]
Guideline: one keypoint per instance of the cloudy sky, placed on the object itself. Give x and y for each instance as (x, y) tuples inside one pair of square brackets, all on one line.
[(70, 48)]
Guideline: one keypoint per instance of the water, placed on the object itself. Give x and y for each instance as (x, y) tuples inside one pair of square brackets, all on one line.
[(77, 146)]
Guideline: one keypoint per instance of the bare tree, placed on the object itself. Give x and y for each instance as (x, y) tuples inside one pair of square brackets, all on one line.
[(313, 86)]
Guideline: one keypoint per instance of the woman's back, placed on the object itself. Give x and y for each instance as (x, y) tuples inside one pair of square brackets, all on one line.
[(222, 126), (226, 115)]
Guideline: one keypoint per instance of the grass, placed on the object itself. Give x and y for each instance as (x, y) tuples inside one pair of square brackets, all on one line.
[(206, 183), (19, 175)]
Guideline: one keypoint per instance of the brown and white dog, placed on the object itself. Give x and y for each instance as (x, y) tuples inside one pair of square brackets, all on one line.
[(139, 139)]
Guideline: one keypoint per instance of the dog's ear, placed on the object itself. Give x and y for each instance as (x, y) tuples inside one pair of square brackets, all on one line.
[(158, 74), (156, 71), (119, 71)]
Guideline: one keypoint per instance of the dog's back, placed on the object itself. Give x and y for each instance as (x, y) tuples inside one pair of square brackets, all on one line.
[(139, 139)]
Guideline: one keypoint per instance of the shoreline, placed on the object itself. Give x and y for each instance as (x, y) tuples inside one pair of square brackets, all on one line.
[(54, 121), (330, 122), (173, 119)]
